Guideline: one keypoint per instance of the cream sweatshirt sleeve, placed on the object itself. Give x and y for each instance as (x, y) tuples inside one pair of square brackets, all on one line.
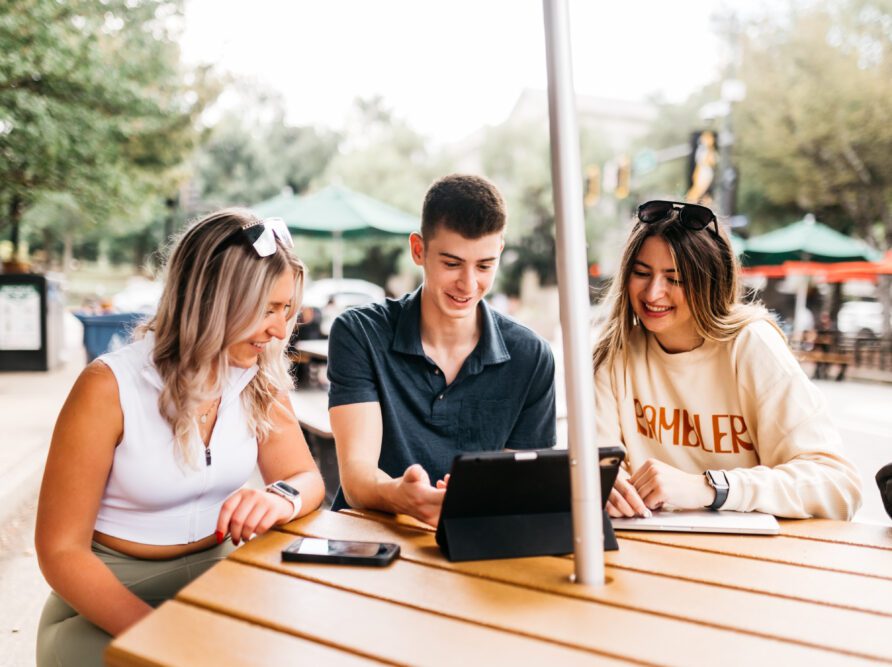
[(607, 421), (803, 471)]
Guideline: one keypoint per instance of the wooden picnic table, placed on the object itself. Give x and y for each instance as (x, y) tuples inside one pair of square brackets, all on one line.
[(312, 349), (820, 593)]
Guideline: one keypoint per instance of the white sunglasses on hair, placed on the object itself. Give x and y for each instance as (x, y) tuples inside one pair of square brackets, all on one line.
[(262, 235)]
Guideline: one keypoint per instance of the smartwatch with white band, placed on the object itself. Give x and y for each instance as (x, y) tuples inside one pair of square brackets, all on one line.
[(290, 494), (718, 480)]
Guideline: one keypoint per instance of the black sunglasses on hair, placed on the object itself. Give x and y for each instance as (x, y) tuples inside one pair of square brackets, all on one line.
[(691, 216)]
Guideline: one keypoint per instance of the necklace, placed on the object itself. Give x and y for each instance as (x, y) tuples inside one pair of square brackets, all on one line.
[(203, 418)]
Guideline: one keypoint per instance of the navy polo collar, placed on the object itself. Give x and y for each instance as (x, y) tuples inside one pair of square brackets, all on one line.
[(491, 348)]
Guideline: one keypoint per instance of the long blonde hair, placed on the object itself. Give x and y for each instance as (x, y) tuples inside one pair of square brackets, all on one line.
[(711, 285), (215, 294)]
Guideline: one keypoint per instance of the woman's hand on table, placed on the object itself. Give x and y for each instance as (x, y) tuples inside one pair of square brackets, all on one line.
[(659, 483), (249, 512), (624, 500)]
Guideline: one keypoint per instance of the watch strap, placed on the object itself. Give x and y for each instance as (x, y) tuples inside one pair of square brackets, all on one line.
[(293, 498), (721, 489)]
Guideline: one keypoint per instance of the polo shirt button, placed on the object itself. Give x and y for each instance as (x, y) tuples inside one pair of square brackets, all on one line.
[(440, 397), (436, 371)]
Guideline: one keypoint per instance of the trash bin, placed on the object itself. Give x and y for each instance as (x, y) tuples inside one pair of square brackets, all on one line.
[(104, 333), (31, 322)]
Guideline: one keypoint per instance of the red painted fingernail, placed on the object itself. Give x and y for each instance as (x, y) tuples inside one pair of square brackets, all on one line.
[(220, 536)]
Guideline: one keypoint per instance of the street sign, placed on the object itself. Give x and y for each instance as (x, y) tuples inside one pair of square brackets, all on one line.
[(645, 161)]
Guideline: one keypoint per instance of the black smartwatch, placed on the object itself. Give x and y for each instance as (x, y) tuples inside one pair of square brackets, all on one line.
[(718, 480)]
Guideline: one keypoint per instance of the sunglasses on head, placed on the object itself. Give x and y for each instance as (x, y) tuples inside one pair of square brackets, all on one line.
[(260, 235), (691, 216)]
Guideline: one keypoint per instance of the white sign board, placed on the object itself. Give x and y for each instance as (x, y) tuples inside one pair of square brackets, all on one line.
[(19, 317)]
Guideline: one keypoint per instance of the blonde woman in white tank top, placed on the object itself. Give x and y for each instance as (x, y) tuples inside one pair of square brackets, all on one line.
[(143, 487)]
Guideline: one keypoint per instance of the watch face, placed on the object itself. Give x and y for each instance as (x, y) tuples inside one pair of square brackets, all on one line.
[(287, 488)]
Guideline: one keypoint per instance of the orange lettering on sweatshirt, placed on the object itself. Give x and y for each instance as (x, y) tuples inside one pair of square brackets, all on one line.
[(639, 418), (718, 434), (691, 427), (650, 417), (684, 428), (738, 428), (674, 424)]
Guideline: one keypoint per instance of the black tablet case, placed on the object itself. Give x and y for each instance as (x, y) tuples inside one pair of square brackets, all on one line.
[(499, 507)]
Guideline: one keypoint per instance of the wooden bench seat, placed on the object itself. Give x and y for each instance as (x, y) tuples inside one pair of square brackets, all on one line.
[(311, 408), (820, 357)]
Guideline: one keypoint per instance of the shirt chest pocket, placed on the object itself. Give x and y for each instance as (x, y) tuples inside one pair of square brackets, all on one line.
[(485, 424)]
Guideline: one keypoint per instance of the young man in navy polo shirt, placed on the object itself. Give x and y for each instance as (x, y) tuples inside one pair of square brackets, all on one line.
[(418, 380)]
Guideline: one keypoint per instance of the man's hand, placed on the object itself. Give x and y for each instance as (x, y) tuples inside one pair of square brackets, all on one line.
[(659, 483), (624, 500), (250, 512), (414, 495)]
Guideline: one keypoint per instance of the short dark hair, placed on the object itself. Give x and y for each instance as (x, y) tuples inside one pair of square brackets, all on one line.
[(469, 205)]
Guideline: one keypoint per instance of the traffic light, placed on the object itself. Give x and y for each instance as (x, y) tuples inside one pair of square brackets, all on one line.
[(623, 177), (592, 185)]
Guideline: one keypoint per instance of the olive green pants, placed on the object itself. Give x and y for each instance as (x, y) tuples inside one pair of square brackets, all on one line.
[(65, 638)]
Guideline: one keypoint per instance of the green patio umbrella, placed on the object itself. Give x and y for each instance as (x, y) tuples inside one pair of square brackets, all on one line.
[(337, 212), (806, 240), (274, 206)]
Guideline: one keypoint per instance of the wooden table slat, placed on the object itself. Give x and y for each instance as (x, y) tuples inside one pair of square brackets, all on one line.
[(370, 627), (843, 532), (821, 555), (838, 589), (182, 635), (747, 574), (554, 617)]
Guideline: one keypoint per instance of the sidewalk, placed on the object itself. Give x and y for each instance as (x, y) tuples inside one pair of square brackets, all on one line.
[(29, 405)]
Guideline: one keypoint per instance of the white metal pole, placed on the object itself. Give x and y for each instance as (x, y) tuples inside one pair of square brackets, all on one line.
[(572, 271), (337, 256)]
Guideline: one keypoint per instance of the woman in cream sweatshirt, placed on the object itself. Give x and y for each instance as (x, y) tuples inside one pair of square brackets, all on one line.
[(701, 389)]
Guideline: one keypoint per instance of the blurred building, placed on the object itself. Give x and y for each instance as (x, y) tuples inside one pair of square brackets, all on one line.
[(619, 122)]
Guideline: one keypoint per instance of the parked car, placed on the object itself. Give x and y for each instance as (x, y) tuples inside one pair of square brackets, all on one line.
[(330, 297), (139, 296), (861, 317)]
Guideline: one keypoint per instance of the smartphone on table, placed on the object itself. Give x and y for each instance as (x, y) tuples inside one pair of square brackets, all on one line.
[(343, 552)]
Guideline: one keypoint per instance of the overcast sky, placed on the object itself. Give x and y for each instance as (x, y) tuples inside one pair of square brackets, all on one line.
[(450, 66)]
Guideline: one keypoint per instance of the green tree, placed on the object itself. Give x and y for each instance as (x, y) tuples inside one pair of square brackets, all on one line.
[(382, 156), (517, 157), (93, 103), (815, 131), (252, 152)]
